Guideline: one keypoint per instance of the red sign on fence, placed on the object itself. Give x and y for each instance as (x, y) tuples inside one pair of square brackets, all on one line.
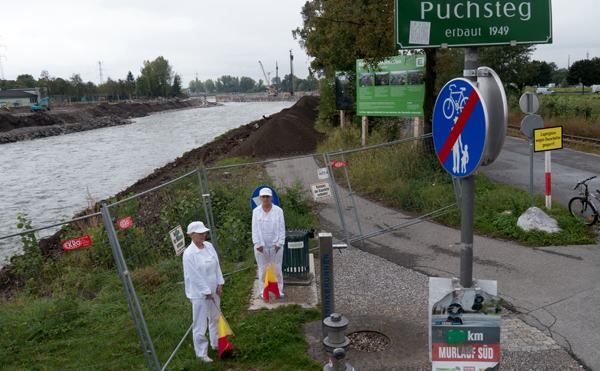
[(337, 164), (125, 223), (77, 243)]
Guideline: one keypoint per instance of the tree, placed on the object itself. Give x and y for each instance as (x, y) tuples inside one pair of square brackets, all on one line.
[(510, 63), (160, 77), (560, 77), (142, 86), (227, 84), (77, 84), (247, 84), (337, 33), (130, 83), (540, 73), (210, 86), (176, 88), (26, 81), (586, 71), (46, 82)]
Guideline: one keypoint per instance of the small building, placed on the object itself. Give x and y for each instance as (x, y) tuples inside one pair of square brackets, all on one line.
[(19, 97)]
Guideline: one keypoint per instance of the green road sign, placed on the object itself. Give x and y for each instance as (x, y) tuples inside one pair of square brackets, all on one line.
[(452, 23)]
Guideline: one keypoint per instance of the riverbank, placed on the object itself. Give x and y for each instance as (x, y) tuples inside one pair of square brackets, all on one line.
[(17, 126)]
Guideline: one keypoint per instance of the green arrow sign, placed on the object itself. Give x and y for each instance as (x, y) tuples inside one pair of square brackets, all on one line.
[(452, 23)]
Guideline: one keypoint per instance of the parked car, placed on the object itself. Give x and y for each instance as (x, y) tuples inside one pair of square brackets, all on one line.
[(544, 91), (595, 88)]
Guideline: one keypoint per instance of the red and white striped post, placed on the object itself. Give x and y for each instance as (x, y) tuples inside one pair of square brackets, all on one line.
[(548, 181)]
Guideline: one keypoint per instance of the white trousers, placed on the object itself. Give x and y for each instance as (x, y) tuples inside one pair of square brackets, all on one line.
[(263, 259), (203, 310)]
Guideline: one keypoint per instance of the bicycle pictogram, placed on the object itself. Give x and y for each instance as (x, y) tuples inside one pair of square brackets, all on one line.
[(455, 103)]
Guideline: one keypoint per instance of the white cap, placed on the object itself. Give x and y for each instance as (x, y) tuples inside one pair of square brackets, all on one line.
[(266, 192), (196, 227)]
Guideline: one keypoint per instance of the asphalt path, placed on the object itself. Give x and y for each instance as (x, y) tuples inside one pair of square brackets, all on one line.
[(567, 167), (553, 288)]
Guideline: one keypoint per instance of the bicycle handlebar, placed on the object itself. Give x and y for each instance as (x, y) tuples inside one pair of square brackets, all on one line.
[(583, 181)]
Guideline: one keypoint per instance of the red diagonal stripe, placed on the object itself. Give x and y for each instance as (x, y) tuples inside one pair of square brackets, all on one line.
[(459, 126)]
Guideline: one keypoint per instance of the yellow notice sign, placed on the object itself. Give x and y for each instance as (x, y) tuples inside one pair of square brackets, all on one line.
[(548, 139)]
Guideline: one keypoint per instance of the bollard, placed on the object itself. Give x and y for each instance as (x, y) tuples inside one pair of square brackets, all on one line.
[(336, 343)]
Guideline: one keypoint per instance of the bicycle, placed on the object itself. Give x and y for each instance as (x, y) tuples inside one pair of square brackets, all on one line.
[(583, 206), (455, 103)]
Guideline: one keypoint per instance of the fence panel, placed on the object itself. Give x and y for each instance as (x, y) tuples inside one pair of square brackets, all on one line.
[(66, 313), (143, 225), (414, 183)]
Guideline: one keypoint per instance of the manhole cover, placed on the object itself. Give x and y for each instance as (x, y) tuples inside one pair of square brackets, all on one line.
[(368, 341)]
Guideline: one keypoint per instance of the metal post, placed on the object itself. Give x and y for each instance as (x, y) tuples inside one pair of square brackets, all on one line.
[(327, 292), (468, 192), (353, 202), (208, 209), (336, 196), (112, 238), (531, 151)]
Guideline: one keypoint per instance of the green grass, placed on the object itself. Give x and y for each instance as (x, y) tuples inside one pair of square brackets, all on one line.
[(73, 313), (409, 180)]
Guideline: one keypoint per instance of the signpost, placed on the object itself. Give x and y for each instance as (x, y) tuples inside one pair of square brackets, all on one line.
[(443, 23), (546, 140)]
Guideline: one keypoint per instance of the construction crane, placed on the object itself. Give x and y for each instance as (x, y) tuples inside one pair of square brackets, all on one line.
[(267, 80)]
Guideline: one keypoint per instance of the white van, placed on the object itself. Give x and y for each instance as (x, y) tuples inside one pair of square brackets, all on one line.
[(544, 91), (595, 88)]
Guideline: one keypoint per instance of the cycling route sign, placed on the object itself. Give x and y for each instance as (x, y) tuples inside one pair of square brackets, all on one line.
[(460, 127)]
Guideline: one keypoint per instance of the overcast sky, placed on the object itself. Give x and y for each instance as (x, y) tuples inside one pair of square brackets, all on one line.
[(207, 38)]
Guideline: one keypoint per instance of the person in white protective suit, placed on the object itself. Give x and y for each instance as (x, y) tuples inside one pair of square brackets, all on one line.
[(268, 236), (203, 285)]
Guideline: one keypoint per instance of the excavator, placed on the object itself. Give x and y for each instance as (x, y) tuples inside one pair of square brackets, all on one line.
[(39, 106)]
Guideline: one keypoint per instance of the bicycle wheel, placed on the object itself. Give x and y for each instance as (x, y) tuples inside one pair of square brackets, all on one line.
[(448, 108), (581, 208)]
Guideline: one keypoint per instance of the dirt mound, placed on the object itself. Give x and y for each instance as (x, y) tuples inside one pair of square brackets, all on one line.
[(289, 132), (77, 113)]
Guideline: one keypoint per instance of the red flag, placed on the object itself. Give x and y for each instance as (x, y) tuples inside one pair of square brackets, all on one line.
[(224, 332), (270, 283)]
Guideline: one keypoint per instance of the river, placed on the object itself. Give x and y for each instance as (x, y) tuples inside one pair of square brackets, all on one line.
[(50, 178)]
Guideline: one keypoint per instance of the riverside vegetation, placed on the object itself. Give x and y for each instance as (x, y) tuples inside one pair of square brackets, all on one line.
[(56, 308)]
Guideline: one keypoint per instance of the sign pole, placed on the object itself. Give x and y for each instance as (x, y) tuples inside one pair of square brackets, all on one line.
[(468, 193), (531, 150)]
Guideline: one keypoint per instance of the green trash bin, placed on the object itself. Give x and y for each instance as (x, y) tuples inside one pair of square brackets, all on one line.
[(295, 255)]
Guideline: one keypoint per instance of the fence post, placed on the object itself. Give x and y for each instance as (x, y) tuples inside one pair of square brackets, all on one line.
[(353, 202), (127, 286), (336, 196), (208, 210)]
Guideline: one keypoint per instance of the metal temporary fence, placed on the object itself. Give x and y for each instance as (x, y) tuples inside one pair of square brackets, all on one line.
[(148, 232), (80, 307), (50, 307), (406, 166), (331, 179), (48, 314)]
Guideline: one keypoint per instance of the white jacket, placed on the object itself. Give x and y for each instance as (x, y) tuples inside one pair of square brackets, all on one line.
[(268, 229), (194, 272)]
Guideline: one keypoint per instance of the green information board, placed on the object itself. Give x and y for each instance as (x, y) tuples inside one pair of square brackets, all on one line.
[(394, 88), (460, 23)]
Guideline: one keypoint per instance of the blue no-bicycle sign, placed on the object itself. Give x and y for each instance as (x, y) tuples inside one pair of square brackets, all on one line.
[(460, 127)]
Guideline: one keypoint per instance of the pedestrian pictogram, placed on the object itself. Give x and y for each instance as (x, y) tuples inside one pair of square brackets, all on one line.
[(460, 127)]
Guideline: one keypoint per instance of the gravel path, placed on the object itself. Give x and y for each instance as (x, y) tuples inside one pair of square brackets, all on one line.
[(368, 284)]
